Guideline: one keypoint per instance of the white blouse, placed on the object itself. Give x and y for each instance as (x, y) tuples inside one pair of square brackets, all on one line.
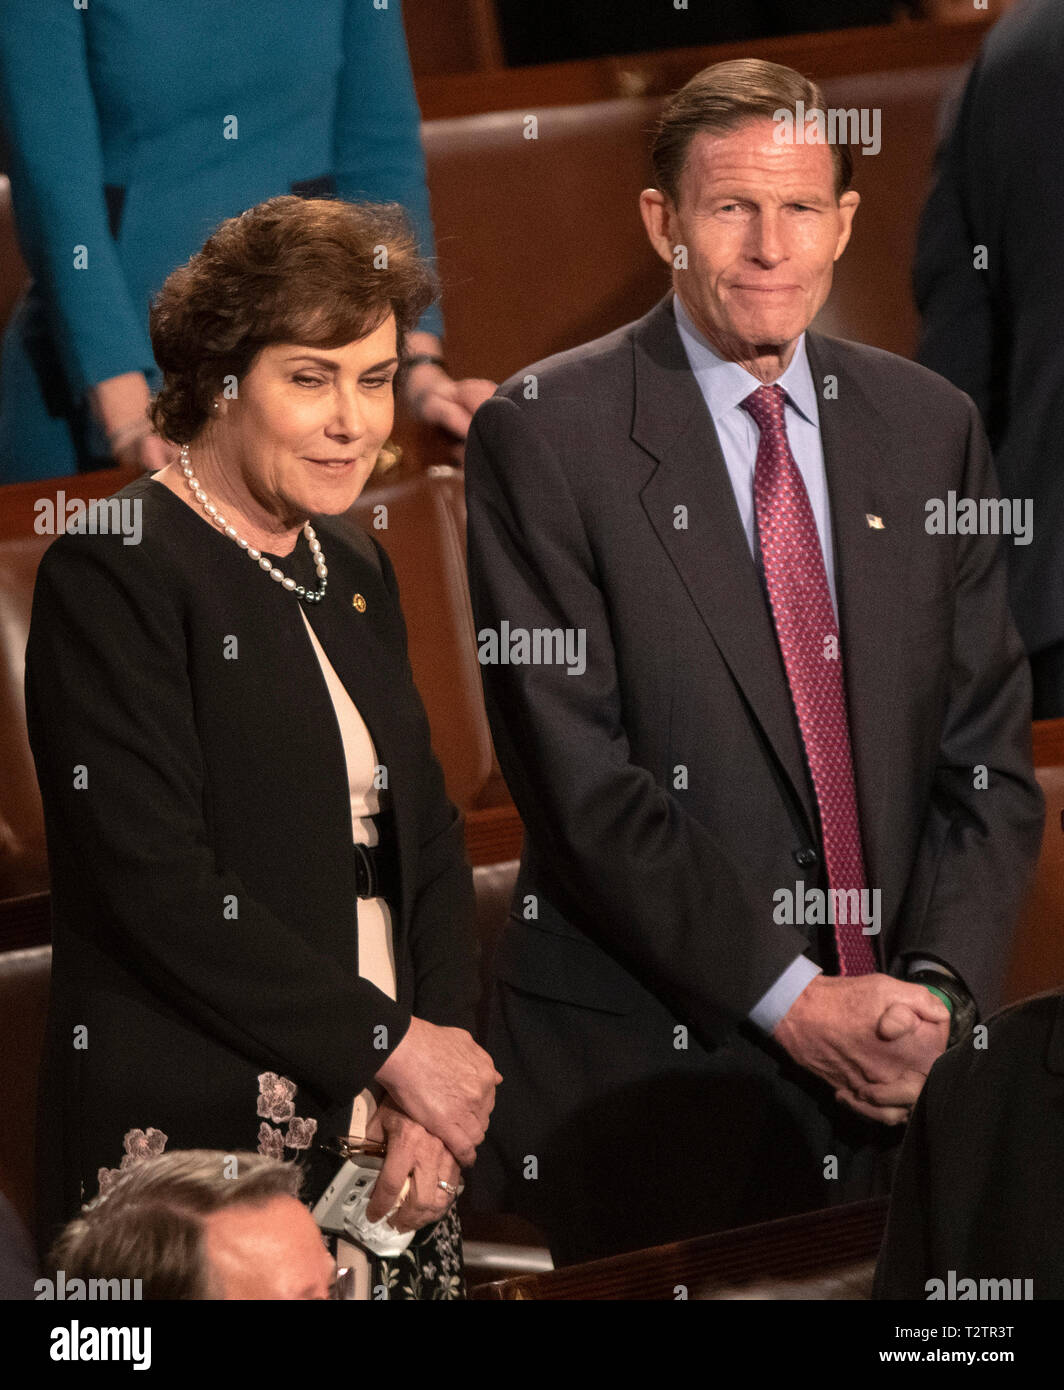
[(376, 948)]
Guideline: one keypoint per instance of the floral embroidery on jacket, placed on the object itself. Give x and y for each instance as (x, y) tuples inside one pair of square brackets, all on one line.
[(276, 1097), (300, 1133), (139, 1145), (271, 1142), (277, 1103)]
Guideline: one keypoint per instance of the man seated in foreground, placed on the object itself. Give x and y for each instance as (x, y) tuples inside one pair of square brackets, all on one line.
[(196, 1224)]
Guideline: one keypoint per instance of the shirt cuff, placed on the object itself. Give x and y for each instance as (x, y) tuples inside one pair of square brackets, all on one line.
[(769, 1010), (915, 963)]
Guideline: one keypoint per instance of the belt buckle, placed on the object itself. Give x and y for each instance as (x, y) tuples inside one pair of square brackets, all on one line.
[(365, 873)]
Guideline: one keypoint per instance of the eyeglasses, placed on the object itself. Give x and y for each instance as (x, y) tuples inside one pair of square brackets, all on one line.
[(347, 1146)]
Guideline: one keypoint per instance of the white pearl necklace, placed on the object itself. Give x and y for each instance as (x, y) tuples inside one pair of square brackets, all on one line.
[(279, 577)]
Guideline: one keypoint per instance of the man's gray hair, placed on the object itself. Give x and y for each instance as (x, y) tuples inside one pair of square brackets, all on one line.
[(720, 99), (150, 1225)]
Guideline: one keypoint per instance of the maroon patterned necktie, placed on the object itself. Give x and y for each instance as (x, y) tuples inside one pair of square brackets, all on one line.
[(809, 642)]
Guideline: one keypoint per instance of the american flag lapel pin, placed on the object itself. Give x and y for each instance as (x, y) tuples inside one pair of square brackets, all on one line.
[(875, 522)]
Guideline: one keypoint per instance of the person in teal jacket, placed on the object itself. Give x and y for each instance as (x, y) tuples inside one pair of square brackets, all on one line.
[(134, 129)]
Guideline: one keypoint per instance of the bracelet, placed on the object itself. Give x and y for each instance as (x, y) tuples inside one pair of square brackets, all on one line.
[(941, 995), (963, 1013), (422, 359)]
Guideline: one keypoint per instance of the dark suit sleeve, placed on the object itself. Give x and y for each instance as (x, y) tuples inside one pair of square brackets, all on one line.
[(979, 843), (443, 941), (954, 296), (108, 691), (628, 865)]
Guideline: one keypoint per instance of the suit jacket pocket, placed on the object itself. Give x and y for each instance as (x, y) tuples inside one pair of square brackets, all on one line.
[(570, 969)]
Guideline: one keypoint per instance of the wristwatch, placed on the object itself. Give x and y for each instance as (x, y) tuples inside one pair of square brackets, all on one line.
[(961, 1005)]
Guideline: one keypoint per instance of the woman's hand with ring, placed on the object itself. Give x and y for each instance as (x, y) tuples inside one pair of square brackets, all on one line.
[(415, 1153)]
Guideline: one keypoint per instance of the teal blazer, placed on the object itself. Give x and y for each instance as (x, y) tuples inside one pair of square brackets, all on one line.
[(134, 129)]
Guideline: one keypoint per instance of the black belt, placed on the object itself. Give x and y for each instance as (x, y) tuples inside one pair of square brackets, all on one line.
[(377, 866)]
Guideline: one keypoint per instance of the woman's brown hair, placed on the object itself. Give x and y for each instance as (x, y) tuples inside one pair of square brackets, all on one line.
[(319, 272)]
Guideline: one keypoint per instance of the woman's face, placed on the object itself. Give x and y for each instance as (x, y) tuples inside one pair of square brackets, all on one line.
[(307, 424)]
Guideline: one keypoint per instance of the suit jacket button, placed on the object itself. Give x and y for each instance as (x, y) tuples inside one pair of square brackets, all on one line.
[(805, 858)]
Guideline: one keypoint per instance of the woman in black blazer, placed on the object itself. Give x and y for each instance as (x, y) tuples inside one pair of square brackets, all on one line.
[(193, 714)]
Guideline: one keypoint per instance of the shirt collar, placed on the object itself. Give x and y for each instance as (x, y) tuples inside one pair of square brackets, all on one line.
[(726, 384)]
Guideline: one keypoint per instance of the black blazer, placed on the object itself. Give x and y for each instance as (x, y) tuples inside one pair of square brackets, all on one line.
[(199, 832), (664, 791), (980, 1184)]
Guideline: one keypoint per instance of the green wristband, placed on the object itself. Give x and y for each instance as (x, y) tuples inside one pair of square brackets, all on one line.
[(940, 994)]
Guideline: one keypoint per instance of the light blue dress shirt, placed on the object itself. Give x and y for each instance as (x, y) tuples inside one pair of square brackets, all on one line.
[(724, 386)]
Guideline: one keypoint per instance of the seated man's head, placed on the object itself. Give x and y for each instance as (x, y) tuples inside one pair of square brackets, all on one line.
[(199, 1224)]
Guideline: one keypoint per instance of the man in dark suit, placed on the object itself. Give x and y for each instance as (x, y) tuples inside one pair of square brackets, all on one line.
[(979, 1193), (768, 736), (988, 284)]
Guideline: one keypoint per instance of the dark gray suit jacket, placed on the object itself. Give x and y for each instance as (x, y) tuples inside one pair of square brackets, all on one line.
[(664, 791)]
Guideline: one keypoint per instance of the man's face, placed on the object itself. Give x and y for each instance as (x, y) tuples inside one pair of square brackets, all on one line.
[(272, 1250), (762, 230)]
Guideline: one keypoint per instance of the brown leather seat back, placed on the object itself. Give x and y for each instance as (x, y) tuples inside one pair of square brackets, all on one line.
[(539, 241), (1038, 948), (426, 547), (494, 884), (871, 301), (24, 979), (23, 856)]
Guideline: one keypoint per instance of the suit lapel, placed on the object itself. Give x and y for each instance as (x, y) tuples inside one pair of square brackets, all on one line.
[(711, 555), (868, 561)]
